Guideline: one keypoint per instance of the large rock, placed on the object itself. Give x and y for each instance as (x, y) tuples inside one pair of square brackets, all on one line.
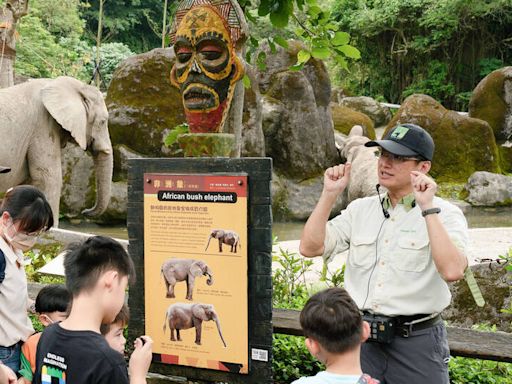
[(463, 144), (345, 118), (253, 140), (295, 200), (494, 282), (492, 101), (380, 115), (489, 189), (296, 113), (143, 105), (78, 187)]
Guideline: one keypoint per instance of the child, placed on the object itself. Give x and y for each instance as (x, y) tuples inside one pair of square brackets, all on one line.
[(51, 306), (25, 213), (113, 332), (73, 351), (334, 331)]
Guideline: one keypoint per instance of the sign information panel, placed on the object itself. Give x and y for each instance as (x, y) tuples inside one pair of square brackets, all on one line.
[(195, 269)]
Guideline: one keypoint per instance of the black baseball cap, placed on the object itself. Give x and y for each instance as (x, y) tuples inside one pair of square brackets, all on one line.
[(407, 140)]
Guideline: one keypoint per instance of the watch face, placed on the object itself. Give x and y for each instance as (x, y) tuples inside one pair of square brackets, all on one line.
[(430, 211)]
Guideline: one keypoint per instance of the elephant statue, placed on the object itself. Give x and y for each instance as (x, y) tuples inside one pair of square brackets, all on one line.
[(184, 316), (175, 270), (38, 117), (224, 236)]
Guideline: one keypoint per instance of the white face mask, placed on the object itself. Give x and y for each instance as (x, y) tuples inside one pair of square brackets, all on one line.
[(20, 240)]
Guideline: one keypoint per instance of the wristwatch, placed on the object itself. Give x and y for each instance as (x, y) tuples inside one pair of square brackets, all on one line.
[(430, 211)]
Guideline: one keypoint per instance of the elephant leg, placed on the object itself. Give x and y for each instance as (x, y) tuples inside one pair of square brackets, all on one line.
[(170, 283), (198, 324), (45, 169), (190, 287), (220, 245), (172, 334), (178, 334)]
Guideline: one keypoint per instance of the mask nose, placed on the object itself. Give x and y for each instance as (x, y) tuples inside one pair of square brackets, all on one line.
[(195, 67)]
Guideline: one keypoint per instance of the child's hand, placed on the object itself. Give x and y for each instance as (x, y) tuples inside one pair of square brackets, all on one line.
[(7, 375), (140, 359)]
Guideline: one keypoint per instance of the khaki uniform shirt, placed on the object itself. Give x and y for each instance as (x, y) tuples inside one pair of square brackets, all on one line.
[(389, 269), (14, 322)]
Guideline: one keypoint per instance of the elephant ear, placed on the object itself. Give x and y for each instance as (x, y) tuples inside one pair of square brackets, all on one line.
[(63, 99), (197, 268), (199, 311)]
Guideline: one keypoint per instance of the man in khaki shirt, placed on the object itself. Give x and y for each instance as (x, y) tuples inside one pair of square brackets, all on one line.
[(404, 246)]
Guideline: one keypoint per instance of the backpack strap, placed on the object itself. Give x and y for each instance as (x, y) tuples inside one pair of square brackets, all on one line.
[(2, 266)]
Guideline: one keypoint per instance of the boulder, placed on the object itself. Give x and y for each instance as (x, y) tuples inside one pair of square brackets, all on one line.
[(253, 140), (345, 118), (78, 187), (143, 105), (380, 115), (295, 200), (489, 189), (494, 282), (463, 144), (491, 101), (296, 111)]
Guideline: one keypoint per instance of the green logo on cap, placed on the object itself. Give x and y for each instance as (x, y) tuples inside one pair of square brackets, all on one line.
[(399, 132)]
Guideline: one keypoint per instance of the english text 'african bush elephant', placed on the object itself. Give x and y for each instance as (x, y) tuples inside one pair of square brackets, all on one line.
[(37, 118), (184, 316), (224, 236), (176, 270)]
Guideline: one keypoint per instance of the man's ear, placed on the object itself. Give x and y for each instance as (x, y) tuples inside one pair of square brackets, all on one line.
[(425, 166), (109, 278), (365, 334)]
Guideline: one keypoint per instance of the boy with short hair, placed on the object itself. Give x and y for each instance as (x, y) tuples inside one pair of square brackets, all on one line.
[(334, 331), (113, 332), (51, 307), (74, 351)]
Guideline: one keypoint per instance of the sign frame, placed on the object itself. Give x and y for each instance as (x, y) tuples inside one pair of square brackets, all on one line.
[(259, 258)]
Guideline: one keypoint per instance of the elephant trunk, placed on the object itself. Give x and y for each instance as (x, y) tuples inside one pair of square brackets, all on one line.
[(220, 332), (208, 244), (103, 164), (209, 273)]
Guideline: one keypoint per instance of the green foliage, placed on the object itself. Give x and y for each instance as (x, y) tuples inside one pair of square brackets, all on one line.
[(292, 360), (39, 257), (506, 259), (111, 54), (464, 370), (289, 280), (400, 39)]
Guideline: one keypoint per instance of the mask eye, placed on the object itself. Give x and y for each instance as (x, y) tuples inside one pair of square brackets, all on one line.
[(183, 54)]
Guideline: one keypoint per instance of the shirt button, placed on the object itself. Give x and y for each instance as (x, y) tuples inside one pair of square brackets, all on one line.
[(412, 244), (379, 285), (392, 219), (382, 263), (386, 241)]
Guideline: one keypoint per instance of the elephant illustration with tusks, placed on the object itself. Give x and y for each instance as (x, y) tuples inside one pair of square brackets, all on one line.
[(224, 236), (176, 270), (185, 316)]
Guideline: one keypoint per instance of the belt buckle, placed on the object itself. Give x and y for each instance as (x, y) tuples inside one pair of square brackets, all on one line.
[(406, 330)]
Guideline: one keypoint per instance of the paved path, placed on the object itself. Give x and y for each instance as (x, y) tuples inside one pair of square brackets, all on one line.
[(484, 243)]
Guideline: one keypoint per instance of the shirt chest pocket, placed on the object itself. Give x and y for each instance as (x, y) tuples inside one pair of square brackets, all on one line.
[(362, 252), (413, 254)]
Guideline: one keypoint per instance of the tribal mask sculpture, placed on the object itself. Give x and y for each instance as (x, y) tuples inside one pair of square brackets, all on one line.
[(206, 36)]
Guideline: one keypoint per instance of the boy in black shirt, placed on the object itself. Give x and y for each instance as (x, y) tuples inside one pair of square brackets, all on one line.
[(74, 351)]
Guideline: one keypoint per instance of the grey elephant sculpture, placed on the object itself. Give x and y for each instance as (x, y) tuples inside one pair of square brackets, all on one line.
[(225, 237), (38, 117), (176, 270), (185, 316)]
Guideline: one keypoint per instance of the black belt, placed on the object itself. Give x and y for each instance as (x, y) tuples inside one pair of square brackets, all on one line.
[(407, 324)]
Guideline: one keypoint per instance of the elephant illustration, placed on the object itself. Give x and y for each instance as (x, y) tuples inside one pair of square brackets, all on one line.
[(184, 316), (176, 270), (38, 117), (224, 236)]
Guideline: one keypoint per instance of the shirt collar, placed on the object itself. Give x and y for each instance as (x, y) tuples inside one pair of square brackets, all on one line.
[(9, 253), (407, 201)]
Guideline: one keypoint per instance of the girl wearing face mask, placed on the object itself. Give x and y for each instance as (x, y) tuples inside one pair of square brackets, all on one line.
[(24, 215)]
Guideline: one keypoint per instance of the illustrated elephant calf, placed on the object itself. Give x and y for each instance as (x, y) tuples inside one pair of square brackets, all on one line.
[(176, 270), (37, 119), (224, 236), (185, 316)]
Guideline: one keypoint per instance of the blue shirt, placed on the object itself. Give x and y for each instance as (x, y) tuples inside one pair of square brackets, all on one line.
[(325, 377)]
